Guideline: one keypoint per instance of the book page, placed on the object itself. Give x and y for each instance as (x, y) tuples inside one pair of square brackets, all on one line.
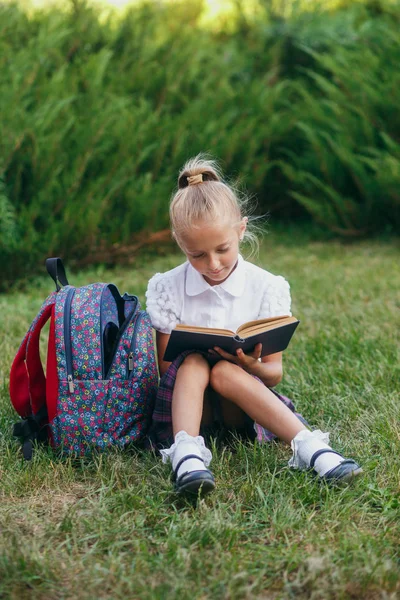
[(253, 327), (196, 329), (265, 324), (245, 330)]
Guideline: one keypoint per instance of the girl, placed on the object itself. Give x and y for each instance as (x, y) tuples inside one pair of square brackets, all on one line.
[(215, 287)]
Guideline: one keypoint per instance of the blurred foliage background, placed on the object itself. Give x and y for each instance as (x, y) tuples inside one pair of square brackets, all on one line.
[(100, 108)]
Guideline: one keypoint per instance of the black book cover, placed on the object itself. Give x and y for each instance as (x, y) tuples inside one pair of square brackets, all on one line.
[(273, 340)]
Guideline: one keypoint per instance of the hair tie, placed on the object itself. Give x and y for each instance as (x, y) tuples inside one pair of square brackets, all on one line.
[(195, 179)]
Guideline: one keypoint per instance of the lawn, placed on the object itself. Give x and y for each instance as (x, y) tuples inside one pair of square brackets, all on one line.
[(110, 527)]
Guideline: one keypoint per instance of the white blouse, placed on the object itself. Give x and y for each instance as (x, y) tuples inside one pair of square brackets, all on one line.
[(183, 296)]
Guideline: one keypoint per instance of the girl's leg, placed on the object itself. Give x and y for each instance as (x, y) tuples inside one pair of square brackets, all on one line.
[(255, 399), (188, 454), (310, 448), (187, 401)]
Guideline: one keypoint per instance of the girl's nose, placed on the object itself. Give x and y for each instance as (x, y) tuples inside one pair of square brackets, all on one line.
[(213, 263)]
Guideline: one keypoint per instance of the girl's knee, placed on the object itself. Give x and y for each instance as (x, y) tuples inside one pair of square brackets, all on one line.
[(197, 361), (222, 373), (194, 369)]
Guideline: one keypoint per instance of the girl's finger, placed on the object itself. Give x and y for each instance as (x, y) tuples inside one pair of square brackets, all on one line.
[(243, 358), (224, 354), (256, 352)]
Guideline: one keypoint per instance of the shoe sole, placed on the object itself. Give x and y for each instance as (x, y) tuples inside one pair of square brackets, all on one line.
[(345, 478), (196, 487), (351, 475)]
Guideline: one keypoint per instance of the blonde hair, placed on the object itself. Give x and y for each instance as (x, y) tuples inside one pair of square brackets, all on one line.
[(208, 198)]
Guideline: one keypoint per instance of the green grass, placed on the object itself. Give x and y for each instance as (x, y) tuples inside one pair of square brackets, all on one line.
[(110, 526)]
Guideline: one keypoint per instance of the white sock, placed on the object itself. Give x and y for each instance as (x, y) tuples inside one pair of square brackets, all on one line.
[(305, 444), (187, 444)]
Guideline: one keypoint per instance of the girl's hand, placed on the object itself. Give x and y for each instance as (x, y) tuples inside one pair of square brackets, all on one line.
[(248, 362)]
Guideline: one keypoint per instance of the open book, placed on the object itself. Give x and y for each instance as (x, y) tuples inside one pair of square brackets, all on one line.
[(274, 334)]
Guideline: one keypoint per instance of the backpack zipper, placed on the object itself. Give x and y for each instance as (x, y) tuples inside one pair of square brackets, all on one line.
[(133, 344), (67, 338)]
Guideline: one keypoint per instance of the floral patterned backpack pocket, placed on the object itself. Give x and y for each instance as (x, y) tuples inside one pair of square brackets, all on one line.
[(101, 373)]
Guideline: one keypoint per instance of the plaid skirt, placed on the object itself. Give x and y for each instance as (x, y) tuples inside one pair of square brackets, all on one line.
[(161, 434)]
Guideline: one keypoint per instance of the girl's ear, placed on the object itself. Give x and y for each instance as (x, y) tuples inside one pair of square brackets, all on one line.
[(178, 241), (242, 227), (174, 237)]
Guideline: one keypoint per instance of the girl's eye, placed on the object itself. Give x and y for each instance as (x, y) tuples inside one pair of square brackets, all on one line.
[(197, 255), (222, 250)]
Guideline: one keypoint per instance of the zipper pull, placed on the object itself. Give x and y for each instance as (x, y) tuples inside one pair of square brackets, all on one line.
[(130, 361), (70, 384)]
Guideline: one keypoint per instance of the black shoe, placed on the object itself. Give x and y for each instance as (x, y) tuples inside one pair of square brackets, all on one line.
[(193, 482), (343, 473)]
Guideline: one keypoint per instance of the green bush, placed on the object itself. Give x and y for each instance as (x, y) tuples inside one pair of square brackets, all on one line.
[(345, 166), (97, 116)]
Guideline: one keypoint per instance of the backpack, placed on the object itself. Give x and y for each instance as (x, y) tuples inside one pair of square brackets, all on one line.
[(101, 374)]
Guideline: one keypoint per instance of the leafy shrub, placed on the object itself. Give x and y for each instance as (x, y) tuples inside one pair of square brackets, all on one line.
[(345, 167), (97, 116)]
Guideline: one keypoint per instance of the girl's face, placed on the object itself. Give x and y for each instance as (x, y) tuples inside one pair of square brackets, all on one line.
[(212, 249)]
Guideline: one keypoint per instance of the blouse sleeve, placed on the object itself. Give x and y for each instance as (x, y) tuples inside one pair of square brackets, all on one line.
[(276, 301), (162, 304)]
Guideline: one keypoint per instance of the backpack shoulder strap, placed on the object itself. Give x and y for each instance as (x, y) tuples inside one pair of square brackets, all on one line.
[(27, 380)]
